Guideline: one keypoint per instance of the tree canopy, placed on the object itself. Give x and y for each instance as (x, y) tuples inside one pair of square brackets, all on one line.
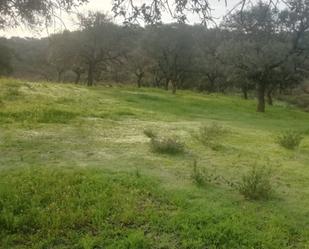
[(151, 11), (32, 12)]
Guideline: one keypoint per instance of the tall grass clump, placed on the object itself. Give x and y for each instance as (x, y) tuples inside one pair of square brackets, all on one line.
[(208, 135), (256, 184), (167, 145), (150, 133), (199, 176), (164, 144), (290, 139)]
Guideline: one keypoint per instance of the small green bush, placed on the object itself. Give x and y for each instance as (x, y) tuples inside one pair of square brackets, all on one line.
[(150, 133), (256, 184), (208, 135), (290, 139), (167, 145)]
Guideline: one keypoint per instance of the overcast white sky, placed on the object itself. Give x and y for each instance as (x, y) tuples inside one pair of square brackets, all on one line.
[(219, 9)]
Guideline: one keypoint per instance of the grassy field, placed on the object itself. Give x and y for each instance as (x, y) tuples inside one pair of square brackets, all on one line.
[(77, 171)]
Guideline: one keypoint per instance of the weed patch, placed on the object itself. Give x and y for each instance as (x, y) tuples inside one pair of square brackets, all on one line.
[(199, 176), (167, 145), (290, 139), (209, 135), (256, 184)]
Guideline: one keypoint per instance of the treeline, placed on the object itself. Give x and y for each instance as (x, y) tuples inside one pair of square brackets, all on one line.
[(259, 49)]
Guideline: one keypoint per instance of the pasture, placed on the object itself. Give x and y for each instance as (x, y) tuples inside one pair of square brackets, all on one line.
[(78, 171)]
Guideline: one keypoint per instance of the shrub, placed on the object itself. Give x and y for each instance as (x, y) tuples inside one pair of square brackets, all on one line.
[(256, 184), (209, 135), (167, 145), (150, 133), (290, 139), (199, 176)]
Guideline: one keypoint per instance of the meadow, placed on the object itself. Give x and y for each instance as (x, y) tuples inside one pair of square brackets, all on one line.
[(78, 171)]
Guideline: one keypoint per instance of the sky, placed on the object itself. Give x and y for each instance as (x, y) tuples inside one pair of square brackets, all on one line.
[(69, 21)]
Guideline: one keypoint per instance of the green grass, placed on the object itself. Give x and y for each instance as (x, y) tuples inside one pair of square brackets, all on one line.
[(77, 171)]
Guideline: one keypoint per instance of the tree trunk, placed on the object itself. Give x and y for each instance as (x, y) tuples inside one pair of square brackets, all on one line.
[(269, 97), (211, 88), (77, 79), (59, 76), (245, 92), (139, 81), (166, 84), (174, 87), (90, 74), (261, 97), (157, 83), (212, 85)]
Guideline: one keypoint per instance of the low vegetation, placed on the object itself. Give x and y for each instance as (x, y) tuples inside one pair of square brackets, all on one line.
[(256, 184), (164, 144), (150, 133), (199, 176), (77, 208), (76, 170), (210, 135), (290, 139), (167, 145)]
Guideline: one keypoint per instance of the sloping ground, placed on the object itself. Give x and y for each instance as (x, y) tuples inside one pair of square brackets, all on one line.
[(76, 170)]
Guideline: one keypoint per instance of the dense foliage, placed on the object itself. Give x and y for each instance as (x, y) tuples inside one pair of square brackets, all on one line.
[(31, 12)]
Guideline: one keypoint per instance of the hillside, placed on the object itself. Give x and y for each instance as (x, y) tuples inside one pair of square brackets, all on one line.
[(77, 171)]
